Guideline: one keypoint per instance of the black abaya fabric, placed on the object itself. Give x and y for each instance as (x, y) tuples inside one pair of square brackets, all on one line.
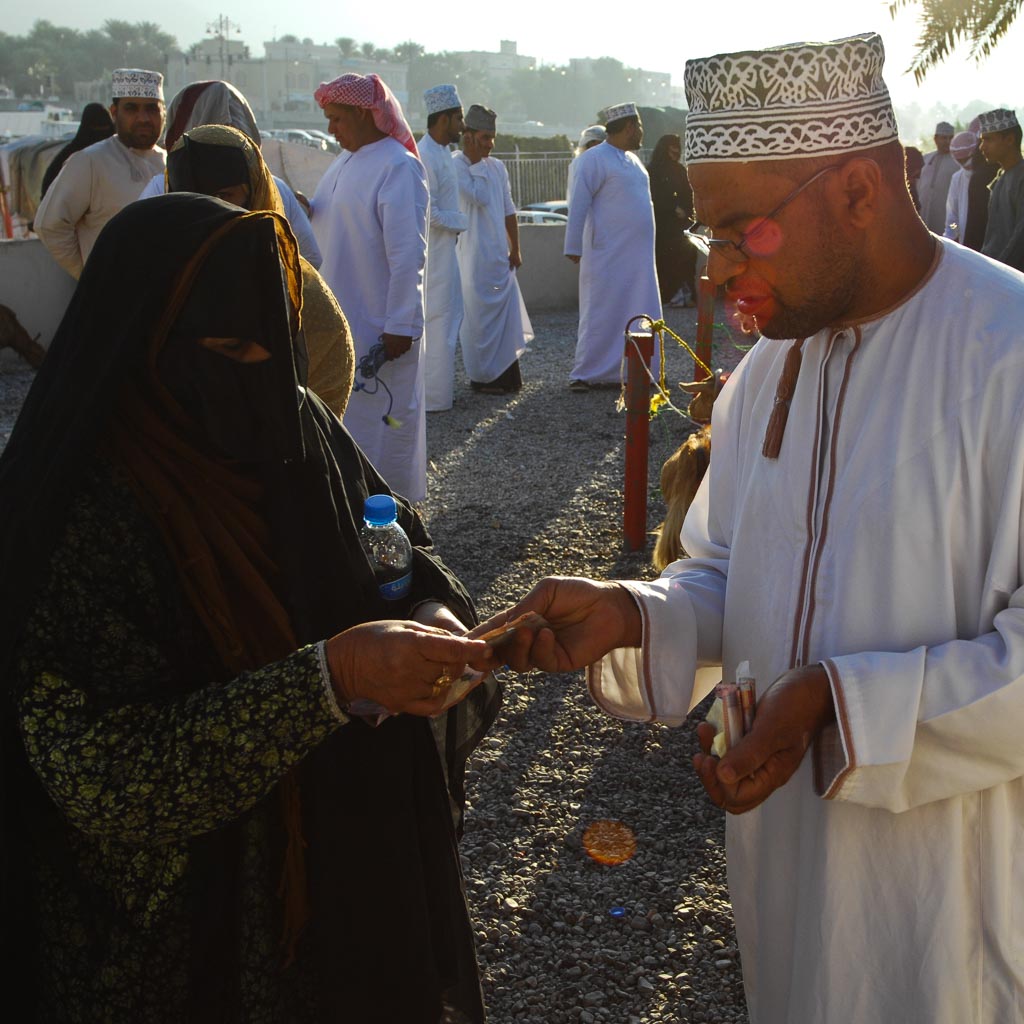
[(382, 869)]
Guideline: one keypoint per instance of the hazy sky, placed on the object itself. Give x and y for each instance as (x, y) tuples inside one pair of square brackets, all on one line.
[(554, 33)]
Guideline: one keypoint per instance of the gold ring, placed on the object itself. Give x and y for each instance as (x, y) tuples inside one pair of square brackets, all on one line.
[(441, 683)]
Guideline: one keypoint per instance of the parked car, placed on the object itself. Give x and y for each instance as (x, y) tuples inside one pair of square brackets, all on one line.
[(551, 206), (540, 217), (302, 137), (329, 140)]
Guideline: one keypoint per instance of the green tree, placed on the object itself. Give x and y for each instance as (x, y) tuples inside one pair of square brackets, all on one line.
[(408, 51), (346, 45), (51, 58), (946, 23)]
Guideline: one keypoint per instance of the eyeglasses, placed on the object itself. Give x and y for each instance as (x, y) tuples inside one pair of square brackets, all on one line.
[(737, 252)]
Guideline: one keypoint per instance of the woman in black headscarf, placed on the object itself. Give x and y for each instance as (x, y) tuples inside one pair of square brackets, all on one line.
[(674, 257), (95, 126), (195, 827)]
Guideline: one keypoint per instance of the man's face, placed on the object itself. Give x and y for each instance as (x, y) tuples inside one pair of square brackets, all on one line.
[(138, 122), (635, 138), (802, 274), (346, 124), (996, 146), (942, 142), (477, 145), (455, 126)]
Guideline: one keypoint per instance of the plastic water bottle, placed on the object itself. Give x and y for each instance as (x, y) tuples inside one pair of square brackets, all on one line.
[(387, 547)]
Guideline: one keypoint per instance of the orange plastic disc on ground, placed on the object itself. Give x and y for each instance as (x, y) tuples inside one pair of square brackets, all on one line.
[(609, 842)]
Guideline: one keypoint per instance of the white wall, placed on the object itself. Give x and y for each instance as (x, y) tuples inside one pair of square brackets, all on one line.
[(35, 288), (38, 290), (547, 279)]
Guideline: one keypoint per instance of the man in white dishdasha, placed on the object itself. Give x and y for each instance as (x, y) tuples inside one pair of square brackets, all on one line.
[(858, 540), (610, 235), (369, 214), (105, 177), (443, 303)]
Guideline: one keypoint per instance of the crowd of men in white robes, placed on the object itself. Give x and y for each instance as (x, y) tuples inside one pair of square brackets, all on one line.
[(948, 203), (864, 561)]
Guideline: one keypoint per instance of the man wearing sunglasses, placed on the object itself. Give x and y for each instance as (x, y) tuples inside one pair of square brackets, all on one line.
[(858, 540)]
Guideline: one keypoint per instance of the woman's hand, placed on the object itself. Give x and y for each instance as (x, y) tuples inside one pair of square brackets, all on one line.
[(397, 663)]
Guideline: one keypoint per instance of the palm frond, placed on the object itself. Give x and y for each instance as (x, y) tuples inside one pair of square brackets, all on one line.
[(946, 23)]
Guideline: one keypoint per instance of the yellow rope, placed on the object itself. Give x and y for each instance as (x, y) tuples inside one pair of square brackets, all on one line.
[(661, 397)]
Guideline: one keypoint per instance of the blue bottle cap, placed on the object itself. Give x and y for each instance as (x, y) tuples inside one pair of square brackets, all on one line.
[(380, 509)]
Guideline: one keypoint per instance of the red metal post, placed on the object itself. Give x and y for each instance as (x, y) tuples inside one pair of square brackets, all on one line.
[(639, 350)]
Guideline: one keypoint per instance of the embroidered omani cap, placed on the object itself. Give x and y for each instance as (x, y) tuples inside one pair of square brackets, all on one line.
[(999, 120), (441, 97), (944, 128), (617, 111), (787, 102), (481, 119), (135, 83)]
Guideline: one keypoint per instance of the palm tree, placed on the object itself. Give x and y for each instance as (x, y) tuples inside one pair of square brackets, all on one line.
[(408, 51), (346, 45), (945, 23)]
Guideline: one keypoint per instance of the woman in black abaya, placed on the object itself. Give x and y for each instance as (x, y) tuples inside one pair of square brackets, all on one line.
[(194, 826)]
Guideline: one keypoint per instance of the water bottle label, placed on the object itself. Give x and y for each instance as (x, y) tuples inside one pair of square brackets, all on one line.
[(397, 589)]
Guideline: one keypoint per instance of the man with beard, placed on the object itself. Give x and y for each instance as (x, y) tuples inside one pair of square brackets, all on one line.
[(1000, 145), (104, 178), (442, 301), (610, 235), (857, 540)]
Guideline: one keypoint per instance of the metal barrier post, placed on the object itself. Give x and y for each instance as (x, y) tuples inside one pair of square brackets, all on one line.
[(639, 351)]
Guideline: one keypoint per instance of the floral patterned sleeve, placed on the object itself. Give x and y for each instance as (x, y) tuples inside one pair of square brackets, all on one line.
[(122, 753)]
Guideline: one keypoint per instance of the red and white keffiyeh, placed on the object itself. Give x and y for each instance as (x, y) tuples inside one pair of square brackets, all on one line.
[(369, 92)]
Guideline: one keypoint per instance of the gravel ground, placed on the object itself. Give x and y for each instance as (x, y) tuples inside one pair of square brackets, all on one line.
[(521, 487)]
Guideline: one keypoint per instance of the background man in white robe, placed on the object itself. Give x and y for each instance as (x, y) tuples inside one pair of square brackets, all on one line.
[(443, 303), (933, 185), (102, 179), (865, 556), (610, 234), (962, 147), (590, 137), (495, 326), (370, 220)]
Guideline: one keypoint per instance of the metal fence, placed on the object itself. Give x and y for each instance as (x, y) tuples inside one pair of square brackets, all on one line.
[(540, 177), (536, 177)]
